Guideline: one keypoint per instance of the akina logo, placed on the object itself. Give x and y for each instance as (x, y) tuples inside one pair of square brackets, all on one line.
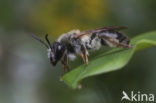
[(138, 96)]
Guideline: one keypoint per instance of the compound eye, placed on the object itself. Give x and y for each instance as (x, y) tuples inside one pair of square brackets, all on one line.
[(59, 47)]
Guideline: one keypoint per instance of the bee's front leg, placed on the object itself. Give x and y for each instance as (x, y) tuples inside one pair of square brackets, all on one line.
[(83, 55), (65, 64)]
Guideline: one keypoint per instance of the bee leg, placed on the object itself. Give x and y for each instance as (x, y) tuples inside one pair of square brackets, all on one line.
[(118, 44), (84, 55), (124, 45), (65, 64), (121, 45)]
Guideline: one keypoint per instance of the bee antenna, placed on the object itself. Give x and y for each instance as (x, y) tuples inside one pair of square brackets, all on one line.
[(46, 38), (41, 41)]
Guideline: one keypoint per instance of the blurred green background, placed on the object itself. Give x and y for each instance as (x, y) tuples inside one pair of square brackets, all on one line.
[(26, 76)]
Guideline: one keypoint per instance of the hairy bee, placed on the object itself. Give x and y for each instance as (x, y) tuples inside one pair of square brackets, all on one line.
[(74, 43)]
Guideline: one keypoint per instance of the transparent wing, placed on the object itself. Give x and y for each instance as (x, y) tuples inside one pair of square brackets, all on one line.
[(87, 32)]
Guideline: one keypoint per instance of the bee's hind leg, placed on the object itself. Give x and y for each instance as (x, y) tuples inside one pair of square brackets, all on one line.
[(84, 55), (127, 46), (115, 42)]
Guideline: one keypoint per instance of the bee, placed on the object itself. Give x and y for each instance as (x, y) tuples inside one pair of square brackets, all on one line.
[(75, 42)]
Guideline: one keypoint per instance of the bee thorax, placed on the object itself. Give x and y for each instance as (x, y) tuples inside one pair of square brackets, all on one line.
[(66, 36), (91, 43)]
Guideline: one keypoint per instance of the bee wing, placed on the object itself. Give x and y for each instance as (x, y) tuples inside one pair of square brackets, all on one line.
[(101, 29), (112, 28)]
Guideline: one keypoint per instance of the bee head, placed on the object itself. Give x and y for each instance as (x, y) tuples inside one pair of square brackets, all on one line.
[(55, 51)]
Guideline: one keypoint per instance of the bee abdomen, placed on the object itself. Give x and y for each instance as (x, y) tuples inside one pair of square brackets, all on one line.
[(122, 38)]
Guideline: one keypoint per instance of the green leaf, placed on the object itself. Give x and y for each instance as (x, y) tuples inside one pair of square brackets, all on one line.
[(109, 61)]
